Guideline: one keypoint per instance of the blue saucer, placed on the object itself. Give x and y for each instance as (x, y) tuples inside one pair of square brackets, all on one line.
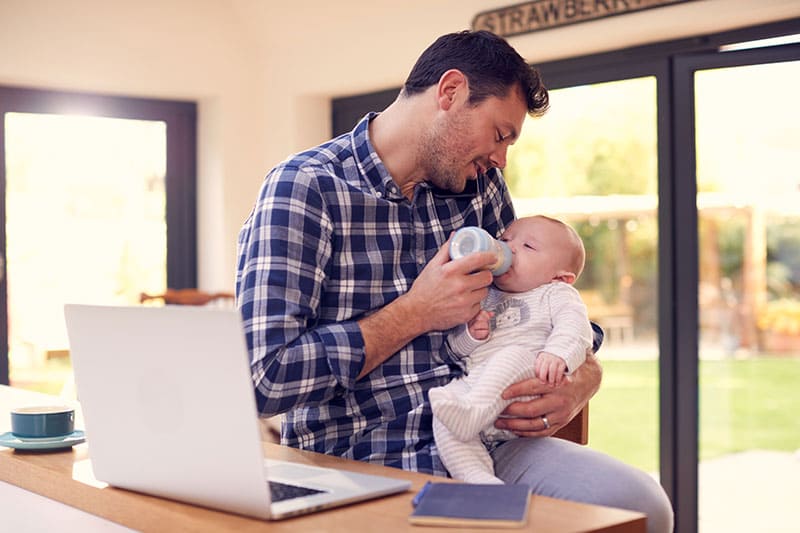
[(44, 443)]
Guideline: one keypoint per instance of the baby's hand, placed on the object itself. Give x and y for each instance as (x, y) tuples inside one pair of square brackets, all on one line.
[(480, 325), (550, 369)]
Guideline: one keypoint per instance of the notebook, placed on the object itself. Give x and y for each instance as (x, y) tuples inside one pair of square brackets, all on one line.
[(169, 410), (471, 505)]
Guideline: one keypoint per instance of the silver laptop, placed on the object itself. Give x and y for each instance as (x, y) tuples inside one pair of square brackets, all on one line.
[(169, 410)]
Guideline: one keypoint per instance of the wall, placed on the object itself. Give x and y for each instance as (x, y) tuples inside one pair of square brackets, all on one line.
[(263, 72)]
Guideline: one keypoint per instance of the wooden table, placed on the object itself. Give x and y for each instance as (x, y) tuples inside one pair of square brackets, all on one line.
[(66, 476)]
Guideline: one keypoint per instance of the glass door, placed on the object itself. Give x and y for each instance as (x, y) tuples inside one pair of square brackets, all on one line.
[(747, 142)]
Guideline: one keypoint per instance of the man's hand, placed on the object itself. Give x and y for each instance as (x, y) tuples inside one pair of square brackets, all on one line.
[(555, 406), (447, 293)]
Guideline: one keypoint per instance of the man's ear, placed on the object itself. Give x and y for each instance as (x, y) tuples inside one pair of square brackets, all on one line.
[(565, 276), (452, 87)]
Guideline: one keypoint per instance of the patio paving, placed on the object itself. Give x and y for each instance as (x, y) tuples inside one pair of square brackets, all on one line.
[(756, 490)]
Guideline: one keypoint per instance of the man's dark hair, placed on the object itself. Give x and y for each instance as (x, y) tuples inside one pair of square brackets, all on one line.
[(490, 64)]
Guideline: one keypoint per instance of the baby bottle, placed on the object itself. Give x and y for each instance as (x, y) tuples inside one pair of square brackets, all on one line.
[(472, 239)]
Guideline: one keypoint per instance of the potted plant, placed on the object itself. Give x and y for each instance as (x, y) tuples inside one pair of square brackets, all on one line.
[(779, 327)]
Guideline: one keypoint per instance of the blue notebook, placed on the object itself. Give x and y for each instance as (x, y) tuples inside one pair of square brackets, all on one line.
[(471, 505)]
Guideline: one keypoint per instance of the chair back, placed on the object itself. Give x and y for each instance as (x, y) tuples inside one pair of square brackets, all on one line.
[(190, 297)]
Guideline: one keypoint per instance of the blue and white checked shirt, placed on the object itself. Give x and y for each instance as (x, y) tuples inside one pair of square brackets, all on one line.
[(330, 240)]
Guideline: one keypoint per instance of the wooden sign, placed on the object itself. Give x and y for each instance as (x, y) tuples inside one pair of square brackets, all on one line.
[(545, 14)]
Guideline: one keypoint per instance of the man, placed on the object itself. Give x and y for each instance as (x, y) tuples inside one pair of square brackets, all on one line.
[(347, 291)]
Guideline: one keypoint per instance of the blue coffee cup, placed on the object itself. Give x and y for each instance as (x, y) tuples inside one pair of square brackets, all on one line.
[(42, 421)]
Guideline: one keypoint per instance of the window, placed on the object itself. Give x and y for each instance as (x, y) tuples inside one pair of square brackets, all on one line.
[(99, 205)]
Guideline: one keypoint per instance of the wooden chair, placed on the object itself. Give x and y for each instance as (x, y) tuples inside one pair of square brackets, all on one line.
[(188, 297), (578, 428)]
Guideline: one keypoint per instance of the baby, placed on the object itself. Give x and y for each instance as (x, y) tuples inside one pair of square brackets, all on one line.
[(533, 323)]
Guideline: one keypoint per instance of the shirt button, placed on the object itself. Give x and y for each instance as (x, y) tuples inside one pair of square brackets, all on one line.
[(378, 194)]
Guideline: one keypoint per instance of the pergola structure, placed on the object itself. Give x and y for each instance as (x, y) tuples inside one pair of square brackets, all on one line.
[(721, 306)]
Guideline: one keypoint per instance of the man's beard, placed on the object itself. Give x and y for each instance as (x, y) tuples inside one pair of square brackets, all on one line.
[(441, 160)]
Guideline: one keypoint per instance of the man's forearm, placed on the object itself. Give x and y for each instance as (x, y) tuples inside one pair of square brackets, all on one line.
[(386, 331)]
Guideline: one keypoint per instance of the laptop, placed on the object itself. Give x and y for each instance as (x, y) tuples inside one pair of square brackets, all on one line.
[(169, 410)]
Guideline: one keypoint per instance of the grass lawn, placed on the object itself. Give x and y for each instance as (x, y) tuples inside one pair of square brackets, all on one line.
[(744, 404)]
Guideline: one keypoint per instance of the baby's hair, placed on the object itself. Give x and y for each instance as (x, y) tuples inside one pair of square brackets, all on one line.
[(576, 257)]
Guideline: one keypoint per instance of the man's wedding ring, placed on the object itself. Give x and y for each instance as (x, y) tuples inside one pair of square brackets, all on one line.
[(546, 422)]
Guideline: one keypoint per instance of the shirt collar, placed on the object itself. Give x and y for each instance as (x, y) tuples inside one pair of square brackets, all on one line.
[(370, 164)]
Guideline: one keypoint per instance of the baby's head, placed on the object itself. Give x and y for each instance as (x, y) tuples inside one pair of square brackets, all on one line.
[(544, 249)]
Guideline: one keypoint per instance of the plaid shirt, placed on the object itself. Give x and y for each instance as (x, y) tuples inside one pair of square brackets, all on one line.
[(330, 240)]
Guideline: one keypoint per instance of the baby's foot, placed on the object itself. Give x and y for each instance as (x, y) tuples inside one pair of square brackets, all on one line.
[(479, 476), (460, 417)]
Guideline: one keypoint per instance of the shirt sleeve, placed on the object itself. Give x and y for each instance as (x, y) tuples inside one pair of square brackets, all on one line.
[(572, 332), (284, 247), (461, 341)]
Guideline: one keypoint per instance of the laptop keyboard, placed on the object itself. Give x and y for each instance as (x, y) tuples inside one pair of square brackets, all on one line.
[(282, 491)]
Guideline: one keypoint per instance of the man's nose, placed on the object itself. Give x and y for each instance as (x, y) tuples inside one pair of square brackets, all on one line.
[(498, 157)]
